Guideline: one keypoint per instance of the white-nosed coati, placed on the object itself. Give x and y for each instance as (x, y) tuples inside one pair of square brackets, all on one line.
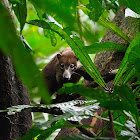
[(65, 68), (61, 69)]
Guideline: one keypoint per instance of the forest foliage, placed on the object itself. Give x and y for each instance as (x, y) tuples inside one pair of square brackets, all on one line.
[(46, 27)]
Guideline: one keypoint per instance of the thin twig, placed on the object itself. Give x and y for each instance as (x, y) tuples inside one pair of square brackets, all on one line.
[(111, 124)]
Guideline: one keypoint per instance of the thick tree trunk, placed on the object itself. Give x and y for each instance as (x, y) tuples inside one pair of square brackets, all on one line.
[(12, 92)]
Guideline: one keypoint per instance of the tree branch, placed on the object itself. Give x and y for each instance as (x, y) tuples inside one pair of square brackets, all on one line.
[(54, 110), (112, 130)]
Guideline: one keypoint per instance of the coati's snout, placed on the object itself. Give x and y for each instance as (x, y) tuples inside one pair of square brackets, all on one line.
[(68, 70), (68, 64)]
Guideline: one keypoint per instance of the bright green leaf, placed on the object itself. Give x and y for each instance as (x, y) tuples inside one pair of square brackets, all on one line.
[(106, 46), (95, 6), (130, 73), (125, 61), (84, 2), (98, 94), (51, 35), (84, 9), (127, 96), (57, 9), (117, 105), (14, 1), (21, 13)]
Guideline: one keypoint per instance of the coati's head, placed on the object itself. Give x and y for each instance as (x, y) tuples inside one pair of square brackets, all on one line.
[(67, 64)]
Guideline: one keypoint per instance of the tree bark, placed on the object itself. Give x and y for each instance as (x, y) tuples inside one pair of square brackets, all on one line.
[(12, 93)]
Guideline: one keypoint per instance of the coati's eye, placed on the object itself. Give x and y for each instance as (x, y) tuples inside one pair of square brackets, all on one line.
[(72, 66), (61, 65)]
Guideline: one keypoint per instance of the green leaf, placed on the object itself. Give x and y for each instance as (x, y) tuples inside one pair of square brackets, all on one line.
[(23, 62), (120, 117), (136, 90), (47, 33), (64, 12), (127, 102), (84, 9), (117, 105), (134, 54), (20, 10), (130, 74), (113, 28), (84, 2), (137, 67), (95, 7), (43, 134), (77, 48), (51, 35), (98, 94), (125, 61), (46, 133), (127, 96), (106, 46), (132, 4), (40, 23), (14, 1)]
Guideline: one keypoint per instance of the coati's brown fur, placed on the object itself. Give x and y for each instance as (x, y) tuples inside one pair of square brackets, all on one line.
[(61, 69)]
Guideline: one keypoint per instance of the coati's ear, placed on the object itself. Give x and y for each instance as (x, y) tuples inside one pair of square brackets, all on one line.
[(58, 55), (76, 58)]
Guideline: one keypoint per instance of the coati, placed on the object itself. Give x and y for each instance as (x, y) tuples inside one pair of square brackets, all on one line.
[(65, 68), (61, 69)]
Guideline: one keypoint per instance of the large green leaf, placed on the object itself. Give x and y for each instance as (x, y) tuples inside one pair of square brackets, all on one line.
[(41, 134), (130, 74), (77, 48), (137, 67), (84, 2), (117, 105), (134, 54), (123, 99), (132, 4), (19, 1), (127, 98), (96, 9), (106, 46), (20, 10), (126, 95), (96, 94), (64, 12), (125, 61), (51, 35), (23, 62)]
